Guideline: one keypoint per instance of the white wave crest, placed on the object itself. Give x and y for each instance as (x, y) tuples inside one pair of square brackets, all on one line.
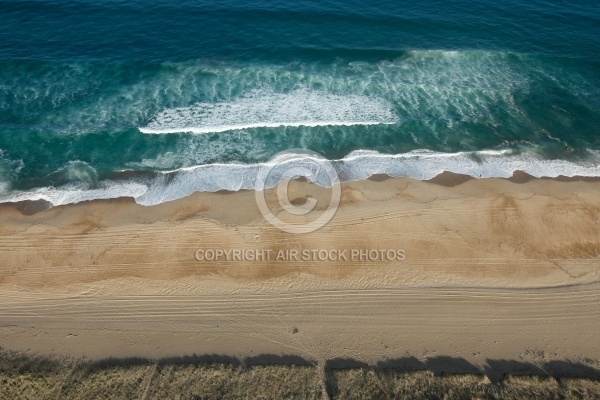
[(267, 109)]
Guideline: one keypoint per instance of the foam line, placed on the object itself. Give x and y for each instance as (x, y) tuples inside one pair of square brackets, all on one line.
[(225, 128), (358, 165)]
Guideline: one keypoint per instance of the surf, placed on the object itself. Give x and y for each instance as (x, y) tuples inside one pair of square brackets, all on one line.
[(163, 186), (268, 109)]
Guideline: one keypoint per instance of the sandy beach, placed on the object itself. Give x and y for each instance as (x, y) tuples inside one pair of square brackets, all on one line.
[(491, 269)]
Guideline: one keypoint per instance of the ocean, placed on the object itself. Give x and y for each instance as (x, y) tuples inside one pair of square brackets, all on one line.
[(156, 100)]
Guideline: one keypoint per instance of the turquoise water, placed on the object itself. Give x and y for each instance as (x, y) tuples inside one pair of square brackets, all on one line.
[(103, 99)]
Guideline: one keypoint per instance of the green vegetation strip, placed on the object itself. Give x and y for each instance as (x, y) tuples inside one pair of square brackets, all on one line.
[(30, 377)]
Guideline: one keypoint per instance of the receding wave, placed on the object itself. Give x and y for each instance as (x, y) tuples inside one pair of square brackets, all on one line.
[(266, 109), (358, 165)]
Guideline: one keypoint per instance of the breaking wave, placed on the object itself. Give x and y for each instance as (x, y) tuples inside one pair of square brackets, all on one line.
[(264, 108), (358, 165)]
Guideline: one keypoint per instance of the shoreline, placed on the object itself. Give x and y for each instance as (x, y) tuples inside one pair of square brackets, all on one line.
[(494, 269), (445, 178), (160, 186)]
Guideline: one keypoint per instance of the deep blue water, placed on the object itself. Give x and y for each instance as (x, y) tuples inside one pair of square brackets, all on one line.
[(98, 97)]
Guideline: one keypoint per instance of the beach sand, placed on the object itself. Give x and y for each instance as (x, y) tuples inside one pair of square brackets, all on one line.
[(493, 269)]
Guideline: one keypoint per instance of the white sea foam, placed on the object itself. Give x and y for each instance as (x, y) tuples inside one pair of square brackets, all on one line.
[(358, 165), (76, 171), (267, 109), (425, 165), (4, 184), (4, 188), (8, 170), (71, 194)]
